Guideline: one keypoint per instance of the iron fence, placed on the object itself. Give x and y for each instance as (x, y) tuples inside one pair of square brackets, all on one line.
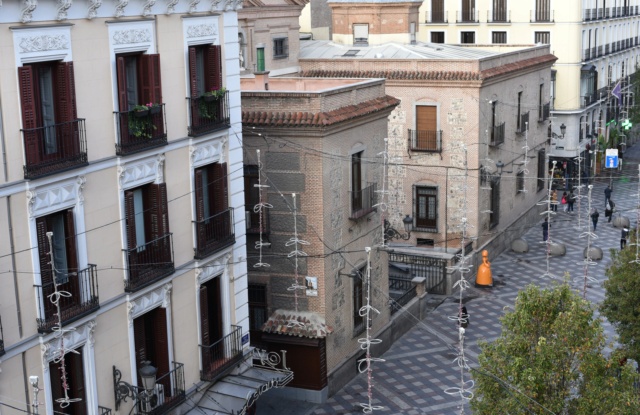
[(214, 233), (222, 355), (208, 113), (432, 269), (141, 130), (429, 141), (362, 201), (149, 262)]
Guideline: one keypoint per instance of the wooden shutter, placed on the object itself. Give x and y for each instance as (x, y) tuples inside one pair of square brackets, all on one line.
[(150, 80), (160, 338), (220, 192), (73, 285), (158, 210), (140, 339), (56, 385), (66, 109), (130, 217), (29, 114), (204, 316), (43, 251), (123, 103), (216, 328), (193, 72), (213, 67), (76, 383), (426, 118)]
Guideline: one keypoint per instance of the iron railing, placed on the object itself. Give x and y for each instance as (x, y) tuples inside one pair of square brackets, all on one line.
[(1, 339), (402, 300), (430, 141), (221, 356), (103, 411), (499, 16), (497, 135), (83, 299), (544, 112), (586, 55), (54, 148), (437, 16), (362, 201), (168, 393), (432, 269), (544, 15), (149, 262), (141, 130), (214, 233), (209, 113), (467, 16)]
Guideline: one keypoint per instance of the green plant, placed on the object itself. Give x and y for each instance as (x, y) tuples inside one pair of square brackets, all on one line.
[(218, 93), (141, 126), (209, 108)]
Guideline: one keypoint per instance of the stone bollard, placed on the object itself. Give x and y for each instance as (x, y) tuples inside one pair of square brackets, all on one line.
[(595, 253), (520, 246), (421, 286), (621, 222), (556, 249)]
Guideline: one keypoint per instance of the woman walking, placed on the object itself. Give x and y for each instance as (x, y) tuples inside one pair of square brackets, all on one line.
[(594, 218)]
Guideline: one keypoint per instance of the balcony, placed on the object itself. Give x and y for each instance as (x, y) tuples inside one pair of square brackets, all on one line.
[(103, 411), (362, 201), (1, 339), (140, 130), (252, 220), (214, 233), (54, 148), (541, 16), (467, 16), (168, 393), (428, 141), (208, 114), (586, 54), (543, 112), (499, 16), (83, 299), (497, 135), (589, 14), (149, 263), (221, 356), (524, 121), (437, 16)]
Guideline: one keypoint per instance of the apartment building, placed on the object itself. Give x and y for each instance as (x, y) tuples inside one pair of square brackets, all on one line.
[(122, 205)]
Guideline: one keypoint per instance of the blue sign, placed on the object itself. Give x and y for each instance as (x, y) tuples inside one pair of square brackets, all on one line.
[(245, 338), (611, 158)]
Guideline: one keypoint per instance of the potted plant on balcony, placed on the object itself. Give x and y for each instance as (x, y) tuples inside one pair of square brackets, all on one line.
[(141, 124), (209, 105), (140, 111), (214, 94), (154, 108)]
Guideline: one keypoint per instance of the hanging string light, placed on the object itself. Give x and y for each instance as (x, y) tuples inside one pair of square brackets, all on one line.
[(588, 261), (383, 193), (637, 242), (296, 253), (579, 196), (259, 208), (548, 213)]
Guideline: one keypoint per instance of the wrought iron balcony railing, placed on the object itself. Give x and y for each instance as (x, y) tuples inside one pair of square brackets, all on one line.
[(499, 16), (168, 393), (83, 299), (542, 16), (544, 112), (54, 148), (362, 201), (149, 263), (141, 130), (103, 411), (208, 113), (221, 356), (437, 16), (497, 135), (467, 16), (428, 141), (1, 339), (214, 233)]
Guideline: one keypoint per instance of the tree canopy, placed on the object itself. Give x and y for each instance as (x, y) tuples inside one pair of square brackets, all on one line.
[(549, 359)]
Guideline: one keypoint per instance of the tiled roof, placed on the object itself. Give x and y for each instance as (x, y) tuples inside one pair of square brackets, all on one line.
[(300, 324), (320, 119), (526, 63), (420, 75)]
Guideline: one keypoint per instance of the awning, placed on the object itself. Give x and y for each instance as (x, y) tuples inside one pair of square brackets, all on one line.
[(233, 394)]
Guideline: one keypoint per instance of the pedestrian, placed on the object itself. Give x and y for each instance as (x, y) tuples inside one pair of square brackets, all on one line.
[(564, 200), (554, 200), (608, 211), (607, 195), (545, 229), (623, 238), (463, 317), (571, 200), (594, 218)]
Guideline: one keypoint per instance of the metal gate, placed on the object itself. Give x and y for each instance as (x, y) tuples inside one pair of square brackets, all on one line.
[(434, 270)]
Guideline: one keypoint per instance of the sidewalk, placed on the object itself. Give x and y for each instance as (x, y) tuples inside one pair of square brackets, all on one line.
[(419, 366)]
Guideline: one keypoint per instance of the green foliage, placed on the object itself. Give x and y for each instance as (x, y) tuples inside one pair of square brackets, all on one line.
[(621, 305), (209, 108), (141, 126), (551, 351)]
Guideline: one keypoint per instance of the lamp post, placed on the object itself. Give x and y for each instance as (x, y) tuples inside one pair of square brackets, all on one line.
[(124, 390), (391, 233)]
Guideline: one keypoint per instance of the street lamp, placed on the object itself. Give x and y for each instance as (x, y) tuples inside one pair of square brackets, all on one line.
[(124, 390), (391, 233), (500, 166)]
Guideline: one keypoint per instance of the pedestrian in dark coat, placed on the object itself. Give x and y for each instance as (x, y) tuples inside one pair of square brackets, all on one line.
[(609, 210), (571, 199), (594, 218), (607, 195), (623, 237), (545, 229)]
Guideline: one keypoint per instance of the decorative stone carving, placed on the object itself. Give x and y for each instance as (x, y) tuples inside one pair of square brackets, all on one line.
[(158, 297), (94, 5), (27, 11), (193, 6), (212, 269), (207, 153), (214, 5), (120, 7), (144, 171), (160, 168), (43, 201), (123, 37), (147, 7), (81, 182), (171, 6), (72, 340), (63, 6), (42, 43), (201, 30)]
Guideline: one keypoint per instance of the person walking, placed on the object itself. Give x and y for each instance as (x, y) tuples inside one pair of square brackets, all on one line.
[(594, 218), (564, 200), (554, 200), (609, 210), (571, 200), (607, 195), (545, 230), (623, 237)]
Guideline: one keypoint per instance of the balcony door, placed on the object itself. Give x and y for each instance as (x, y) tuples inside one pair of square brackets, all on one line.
[(74, 368), (426, 207), (468, 10), (152, 345), (356, 181), (213, 216), (205, 76), (211, 324), (139, 81), (499, 10), (437, 11), (426, 127)]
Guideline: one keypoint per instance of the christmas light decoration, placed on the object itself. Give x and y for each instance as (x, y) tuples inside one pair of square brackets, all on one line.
[(259, 208)]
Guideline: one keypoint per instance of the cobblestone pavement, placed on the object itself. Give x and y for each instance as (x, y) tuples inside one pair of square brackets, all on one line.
[(419, 366)]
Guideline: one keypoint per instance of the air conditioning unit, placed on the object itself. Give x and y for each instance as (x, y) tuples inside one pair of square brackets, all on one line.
[(156, 399)]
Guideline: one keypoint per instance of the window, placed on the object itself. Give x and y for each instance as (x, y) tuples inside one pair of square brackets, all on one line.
[(280, 48), (150, 332), (51, 130), (542, 37), (211, 324), (214, 218), (499, 11), (426, 208), (251, 199), (357, 298), (257, 311), (426, 136), (496, 130), (498, 37), (541, 169), (148, 237), (520, 182), (494, 202), (438, 14), (437, 37), (467, 37), (543, 11), (541, 102), (468, 12), (208, 109), (361, 34), (519, 126), (75, 383), (412, 33)]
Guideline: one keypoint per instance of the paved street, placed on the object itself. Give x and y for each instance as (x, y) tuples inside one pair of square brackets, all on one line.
[(419, 367)]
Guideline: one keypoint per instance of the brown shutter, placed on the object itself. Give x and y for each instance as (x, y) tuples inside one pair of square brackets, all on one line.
[(76, 383), (220, 192), (193, 73), (213, 67), (123, 104), (150, 80), (130, 217), (29, 114), (66, 111), (426, 118), (140, 339), (160, 338), (199, 185), (72, 256), (56, 384), (204, 316), (163, 209), (43, 251), (157, 208), (217, 332)]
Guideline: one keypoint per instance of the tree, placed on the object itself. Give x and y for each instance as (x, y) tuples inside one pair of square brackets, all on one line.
[(549, 359), (621, 305)]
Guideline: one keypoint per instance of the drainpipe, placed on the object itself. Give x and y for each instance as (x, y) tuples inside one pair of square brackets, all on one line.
[(446, 210)]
